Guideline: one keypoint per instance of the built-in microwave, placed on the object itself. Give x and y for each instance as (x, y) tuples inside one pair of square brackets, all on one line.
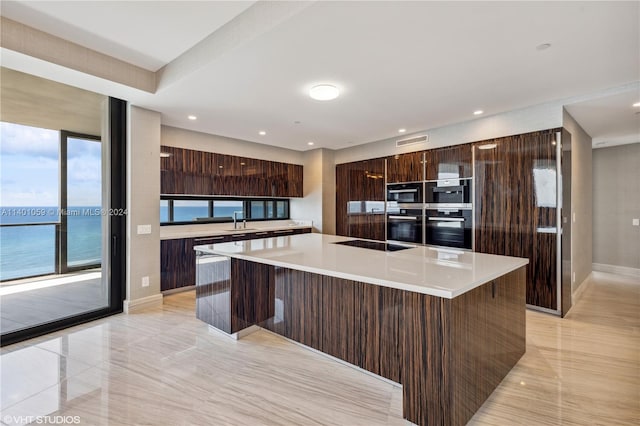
[(405, 193), (449, 193)]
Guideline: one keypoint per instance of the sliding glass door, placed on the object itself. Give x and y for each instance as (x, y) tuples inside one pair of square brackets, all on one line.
[(61, 252)]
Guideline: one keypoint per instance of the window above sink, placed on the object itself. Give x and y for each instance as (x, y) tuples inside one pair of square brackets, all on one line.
[(181, 210)]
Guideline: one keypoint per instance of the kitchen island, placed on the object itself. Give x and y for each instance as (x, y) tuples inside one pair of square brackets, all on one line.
[(447, 325)]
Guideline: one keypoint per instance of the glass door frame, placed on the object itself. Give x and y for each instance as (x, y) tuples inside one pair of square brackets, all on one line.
[(113, 260), (62, 265)]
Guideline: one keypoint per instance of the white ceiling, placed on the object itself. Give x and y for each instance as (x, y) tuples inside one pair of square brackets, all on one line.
[(148, 34), (416, 65), (612, 120)]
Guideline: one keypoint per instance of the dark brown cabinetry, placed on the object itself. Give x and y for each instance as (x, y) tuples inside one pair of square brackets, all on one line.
[(360, 195), (453, 161), (178, 259), (405, 167), (353, 321), (185, 171), (515, 207)]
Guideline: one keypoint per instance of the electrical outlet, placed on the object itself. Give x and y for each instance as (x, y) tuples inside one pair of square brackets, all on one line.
[(635, 222), (573, 277), (144, 229), (145, 281)]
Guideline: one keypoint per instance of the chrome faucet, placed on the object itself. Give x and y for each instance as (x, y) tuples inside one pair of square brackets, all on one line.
[(235, 219)]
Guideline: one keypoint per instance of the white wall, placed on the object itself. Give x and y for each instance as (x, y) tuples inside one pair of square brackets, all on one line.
[(188, 139), (537, 117), (581, 201), (143, 195), (616, 202), (319, 199)]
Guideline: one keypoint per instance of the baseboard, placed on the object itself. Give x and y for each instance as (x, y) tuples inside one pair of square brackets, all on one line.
[(614, 269), (179, 290), (577, 294), (136, 305)]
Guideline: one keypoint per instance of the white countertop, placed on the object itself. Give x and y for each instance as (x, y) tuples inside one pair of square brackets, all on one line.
[(435, 271), (171, 232)]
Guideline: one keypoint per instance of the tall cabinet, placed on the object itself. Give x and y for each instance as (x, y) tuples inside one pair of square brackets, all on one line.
[(518, 209), (360, 196)]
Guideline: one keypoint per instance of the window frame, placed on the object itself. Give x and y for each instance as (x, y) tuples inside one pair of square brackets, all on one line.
[(246, 208)]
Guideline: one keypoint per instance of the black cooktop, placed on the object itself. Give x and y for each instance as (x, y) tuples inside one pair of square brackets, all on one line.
[(373, 245)]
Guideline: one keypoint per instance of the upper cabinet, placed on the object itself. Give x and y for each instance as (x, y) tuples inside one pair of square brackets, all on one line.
[(185, 171), (405, 167), (360, 195), (449, 162)]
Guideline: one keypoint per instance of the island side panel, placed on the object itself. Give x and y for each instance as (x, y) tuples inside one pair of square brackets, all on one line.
[(487, 340), (252, 293), (213, 291), (425, 386), (380, 347), (298, 315)]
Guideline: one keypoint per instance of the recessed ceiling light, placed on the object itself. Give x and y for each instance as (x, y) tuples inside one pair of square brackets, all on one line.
[(309, 143), (324, 92), (636, 105), (488, 146), (192, 117), (478, 112), (262, 133), (402, 130), (543, 46)]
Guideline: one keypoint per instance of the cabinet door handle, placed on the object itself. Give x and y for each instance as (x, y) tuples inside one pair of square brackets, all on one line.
[(208, 239), (286, 231), (261, 233), (238, 235)]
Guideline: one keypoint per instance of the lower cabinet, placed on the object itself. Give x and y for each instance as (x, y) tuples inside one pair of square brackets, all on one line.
[(178, 259)]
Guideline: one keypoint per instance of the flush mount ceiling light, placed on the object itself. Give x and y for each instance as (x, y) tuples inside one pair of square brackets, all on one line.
[(262, 133), (310, 143), (488, 146), (636, 105), (192, 117), (543, 46), (402, 130), (324, 92), (478, 112)]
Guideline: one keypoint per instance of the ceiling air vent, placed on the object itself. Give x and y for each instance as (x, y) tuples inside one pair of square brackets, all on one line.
[(412, 140)]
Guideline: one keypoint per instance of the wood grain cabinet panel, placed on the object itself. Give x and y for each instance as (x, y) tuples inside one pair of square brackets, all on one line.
[(177, 264), (193, 172), (380, 349), (514, 213), (443, 163), (340, 319), (405, 167), (359, 182)]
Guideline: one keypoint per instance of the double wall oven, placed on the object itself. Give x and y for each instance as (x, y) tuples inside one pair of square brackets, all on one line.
[(449, 213), (405, 212), (438, 212)]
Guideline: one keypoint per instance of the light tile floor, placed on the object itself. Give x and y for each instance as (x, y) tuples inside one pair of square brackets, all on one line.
[(164, 367)]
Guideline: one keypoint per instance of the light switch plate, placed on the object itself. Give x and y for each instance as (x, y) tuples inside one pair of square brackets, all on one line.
[(144, 229), (636, 222), (145, 281)]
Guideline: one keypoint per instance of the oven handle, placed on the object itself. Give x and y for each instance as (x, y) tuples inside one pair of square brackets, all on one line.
[(446, 219), (404, 217), (396, 191)]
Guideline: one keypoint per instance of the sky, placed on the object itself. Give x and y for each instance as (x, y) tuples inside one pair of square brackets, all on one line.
[(29, 166)]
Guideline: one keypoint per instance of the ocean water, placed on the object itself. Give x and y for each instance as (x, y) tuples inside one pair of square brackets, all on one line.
[(30, 250)]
